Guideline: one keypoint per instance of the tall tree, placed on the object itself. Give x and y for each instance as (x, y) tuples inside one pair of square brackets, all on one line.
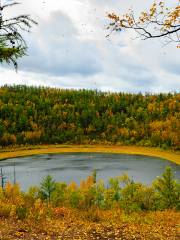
[(12, 44)]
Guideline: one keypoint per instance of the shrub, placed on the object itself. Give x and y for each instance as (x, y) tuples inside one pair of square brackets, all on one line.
[(58, 196), (5, 209), (21, 212), (75, 199), (131, 197)]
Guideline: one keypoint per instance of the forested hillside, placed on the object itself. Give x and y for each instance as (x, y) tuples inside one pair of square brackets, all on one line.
[(31, 115)]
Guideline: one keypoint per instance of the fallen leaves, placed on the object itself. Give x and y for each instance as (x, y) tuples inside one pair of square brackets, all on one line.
[(161, 225)]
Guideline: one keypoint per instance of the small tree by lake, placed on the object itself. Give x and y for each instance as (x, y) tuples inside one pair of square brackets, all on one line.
[(48, 186), (168, 189)]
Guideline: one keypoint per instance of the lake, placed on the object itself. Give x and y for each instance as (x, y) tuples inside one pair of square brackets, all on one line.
[(69, 167)]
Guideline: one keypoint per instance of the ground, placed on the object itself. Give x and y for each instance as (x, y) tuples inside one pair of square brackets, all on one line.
[(104, 225)]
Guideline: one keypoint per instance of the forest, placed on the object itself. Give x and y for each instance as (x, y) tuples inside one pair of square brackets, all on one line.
[(40, 115)]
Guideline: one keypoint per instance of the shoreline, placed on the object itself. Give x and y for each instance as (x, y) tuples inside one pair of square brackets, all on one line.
[(55, 149)]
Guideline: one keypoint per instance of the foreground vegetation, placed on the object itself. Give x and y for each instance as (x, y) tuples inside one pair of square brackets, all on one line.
[(30, 115), (122, 210), (71, 224)]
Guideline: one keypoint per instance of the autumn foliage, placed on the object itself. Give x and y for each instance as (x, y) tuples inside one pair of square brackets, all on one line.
[(159, 21), (122, 210), (30, 116)]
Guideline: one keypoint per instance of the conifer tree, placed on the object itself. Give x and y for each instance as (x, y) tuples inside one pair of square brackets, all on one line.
[(12, 43)]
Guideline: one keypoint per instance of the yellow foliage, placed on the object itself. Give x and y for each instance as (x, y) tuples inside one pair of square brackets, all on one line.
[(72, 186), (86, 184), (13, 194), (158, 21), (96, 224)]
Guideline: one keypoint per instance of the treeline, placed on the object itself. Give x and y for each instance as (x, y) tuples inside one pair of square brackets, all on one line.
[(37, 115)]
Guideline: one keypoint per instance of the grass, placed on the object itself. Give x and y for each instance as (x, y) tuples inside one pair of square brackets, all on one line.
[(48, 149)]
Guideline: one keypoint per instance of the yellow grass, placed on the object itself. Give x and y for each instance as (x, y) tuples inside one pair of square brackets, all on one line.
[(47, 149)]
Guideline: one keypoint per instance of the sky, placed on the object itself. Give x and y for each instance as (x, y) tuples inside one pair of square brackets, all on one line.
[(69, 49)]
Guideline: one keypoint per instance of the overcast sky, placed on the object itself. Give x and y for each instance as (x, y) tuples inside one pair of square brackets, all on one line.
[(69, 49)]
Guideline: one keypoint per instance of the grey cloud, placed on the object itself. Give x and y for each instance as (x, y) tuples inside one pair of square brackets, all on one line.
[(139, 77), (128, 68), (172, 68), (57, 50)]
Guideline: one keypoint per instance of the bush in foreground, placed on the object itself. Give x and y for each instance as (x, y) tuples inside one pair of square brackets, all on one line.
[(121, 193)]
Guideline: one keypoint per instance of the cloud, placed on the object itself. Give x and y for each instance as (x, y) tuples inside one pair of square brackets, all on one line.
[(69, 49), (56, 50), (173, 68)]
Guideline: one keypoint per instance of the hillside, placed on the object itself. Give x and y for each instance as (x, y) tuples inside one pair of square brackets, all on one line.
[(32, 115)]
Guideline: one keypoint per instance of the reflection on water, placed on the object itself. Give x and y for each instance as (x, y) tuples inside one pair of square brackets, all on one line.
[(69, 167)]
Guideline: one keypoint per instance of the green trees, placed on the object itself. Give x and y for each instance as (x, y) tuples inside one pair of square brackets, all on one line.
[(121, 193), (12, 44)]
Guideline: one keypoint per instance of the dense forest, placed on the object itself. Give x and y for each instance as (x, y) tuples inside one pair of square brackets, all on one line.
[(39, 115)]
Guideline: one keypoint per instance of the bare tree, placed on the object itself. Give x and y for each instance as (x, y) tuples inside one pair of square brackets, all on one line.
[(12, 44)]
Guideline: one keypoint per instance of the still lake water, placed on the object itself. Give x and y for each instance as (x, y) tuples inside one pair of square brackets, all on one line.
[(69, 167)]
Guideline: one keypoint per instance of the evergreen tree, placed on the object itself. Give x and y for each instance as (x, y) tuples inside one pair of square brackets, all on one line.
[(168, 189), (48, 186)]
